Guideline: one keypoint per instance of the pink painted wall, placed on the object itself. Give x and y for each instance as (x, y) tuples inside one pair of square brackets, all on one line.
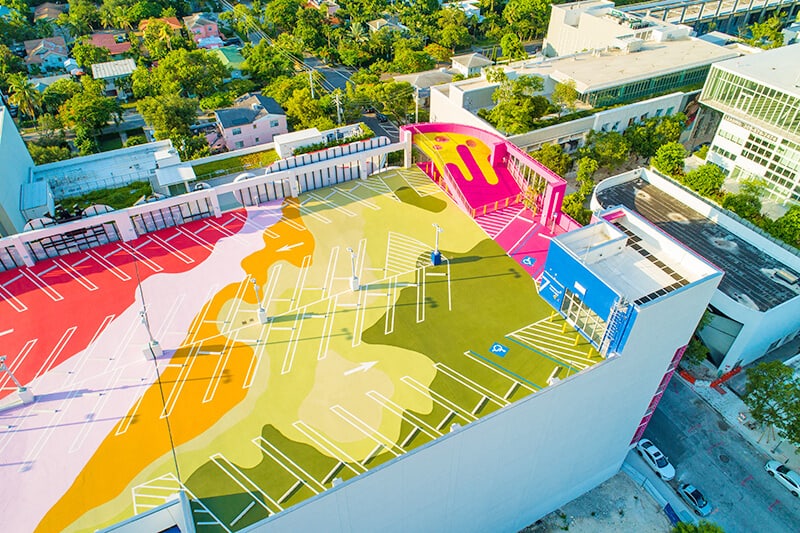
[(262, 133), (501, 148), (201, 31)]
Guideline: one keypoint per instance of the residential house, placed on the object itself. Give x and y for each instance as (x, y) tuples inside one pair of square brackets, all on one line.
[(231, 58), (116, 42), (46, 54), (253, 119), (48, 11), (329, 6), (204, 30), (470, 64), (388, 22), (173, 23), (471, 8), (423, 81), (110, 72), (71, 66), (40, 84)]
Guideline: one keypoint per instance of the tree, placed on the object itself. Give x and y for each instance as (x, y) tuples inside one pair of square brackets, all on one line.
[(191, 146), (608, 148), (747, 206), (438, 52), (704, 526), (517, 104), (565, 95), (264, 64), (24, 95), (453, 31), (553, 157), (696, 352), (787, 227), (705, 179), (86, 54), (527, 18), (309, 28), (282, 14), (48, 154), (90, 110), (669, 159), (646, 137), (767, 34), (9, 64), (586, 169), (512, 46), (773, 395), (169, 115), (159, 39), (188, 73), (572, 206), (83, 17), (59, 92), (407, 60)]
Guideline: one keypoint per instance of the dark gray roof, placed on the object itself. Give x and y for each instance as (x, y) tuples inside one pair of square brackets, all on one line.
[(247, 108), (749, 271)]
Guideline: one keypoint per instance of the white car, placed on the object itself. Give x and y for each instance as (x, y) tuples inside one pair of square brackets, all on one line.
[(655, 459), (243, 176), (788, 478)]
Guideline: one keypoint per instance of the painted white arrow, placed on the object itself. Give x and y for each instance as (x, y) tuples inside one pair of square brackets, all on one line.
[(288, 247), (363, 367)]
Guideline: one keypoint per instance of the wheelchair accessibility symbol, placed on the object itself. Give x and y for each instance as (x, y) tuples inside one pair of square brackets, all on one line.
[(498, 349), (528, 261)]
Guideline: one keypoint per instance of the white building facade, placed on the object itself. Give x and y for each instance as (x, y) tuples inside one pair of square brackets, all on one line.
[(16, 170), (759, 135)]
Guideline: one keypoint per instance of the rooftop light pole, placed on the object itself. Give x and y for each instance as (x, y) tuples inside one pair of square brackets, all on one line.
[(354, 279), (436, 255), (25, 394), (262, 313)]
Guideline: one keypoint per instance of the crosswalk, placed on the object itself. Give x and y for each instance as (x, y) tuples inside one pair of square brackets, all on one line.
[(495, 222)]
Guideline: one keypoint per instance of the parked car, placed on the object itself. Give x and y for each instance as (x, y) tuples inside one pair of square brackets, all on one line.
[(201, 186), (655, 459), (381, 117), (695, 499), (788, 478), (243, 176)]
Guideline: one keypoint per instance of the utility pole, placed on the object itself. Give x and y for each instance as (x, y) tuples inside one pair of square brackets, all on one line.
[(337, 98), (311, 82)]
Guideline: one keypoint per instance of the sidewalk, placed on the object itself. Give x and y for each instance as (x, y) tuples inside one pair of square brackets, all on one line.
[(660, 490), (737, 414)]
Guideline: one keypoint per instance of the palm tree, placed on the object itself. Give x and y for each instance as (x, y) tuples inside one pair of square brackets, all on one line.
[(357, 33), (165, 34), (107, 17), (23, 94)]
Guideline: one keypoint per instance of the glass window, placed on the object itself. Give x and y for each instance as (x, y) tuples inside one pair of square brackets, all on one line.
[(238, 144), (237, 131), (274, 123)]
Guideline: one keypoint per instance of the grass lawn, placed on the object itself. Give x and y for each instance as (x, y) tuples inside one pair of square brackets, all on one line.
[(117, 198), (109, 141), (235, 164)]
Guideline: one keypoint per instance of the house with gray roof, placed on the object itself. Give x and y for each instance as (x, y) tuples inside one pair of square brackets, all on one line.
[(253, 119), (470, 64)]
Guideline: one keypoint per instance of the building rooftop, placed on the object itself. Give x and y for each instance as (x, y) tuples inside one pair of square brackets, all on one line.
[(472, 60), (113, 69), (48, 11), (114, 41), (750, 272), (610, 68), (778, 68), (248, 108), (428, 78), (338, 383), (638, 262)]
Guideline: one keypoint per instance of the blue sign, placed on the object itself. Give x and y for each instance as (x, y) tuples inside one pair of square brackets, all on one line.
[(528, 261), (498, 349)]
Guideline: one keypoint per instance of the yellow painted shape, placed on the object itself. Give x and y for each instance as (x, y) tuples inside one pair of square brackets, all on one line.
[(448, 153), (146, 440)]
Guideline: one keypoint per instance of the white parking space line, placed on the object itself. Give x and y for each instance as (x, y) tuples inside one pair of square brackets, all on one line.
[(12, 300), (219, 368), (437, 398), (56, 351), (41, 284), (470, 384), (368, 431), (196, 239), (155, 239), (327, 328), (109, 266), (328, 447), (250, 487), (68, 269), (272, 451), (146, 261), (301, 281), (16, 362), (400, 411)]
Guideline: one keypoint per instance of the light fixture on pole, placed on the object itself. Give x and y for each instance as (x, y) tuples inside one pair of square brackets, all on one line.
[(262, 313), (153, 349), (25, 394), (354, 279), (436, 255)]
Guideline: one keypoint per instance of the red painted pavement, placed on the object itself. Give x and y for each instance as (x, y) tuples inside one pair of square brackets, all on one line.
[(60, 315)]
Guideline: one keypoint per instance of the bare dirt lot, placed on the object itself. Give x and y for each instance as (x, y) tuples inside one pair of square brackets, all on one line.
[(617, 505)]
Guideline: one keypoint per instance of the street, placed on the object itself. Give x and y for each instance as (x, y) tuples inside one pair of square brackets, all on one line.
[(715, 458)]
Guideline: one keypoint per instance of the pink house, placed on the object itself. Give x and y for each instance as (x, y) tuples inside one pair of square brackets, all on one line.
[(254, 119), (201, 27)]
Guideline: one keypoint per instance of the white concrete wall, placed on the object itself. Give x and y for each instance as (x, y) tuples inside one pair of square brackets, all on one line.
[(506, 470), (15, 165), (443, 109)]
